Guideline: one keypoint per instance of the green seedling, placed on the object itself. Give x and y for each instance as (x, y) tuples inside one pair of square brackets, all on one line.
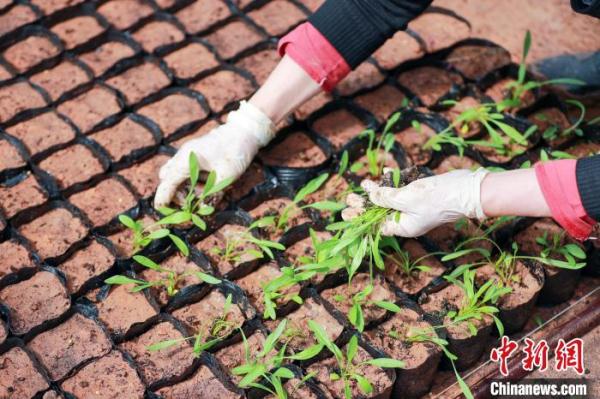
[(377, 150), (521, 86), (347, 368), (360, 300), (219, 329), (571, 256), (267, 364), (195, 207), (237, 246), (170, 281), (402, 259), (545, 157), (418, 334), (478, 302), (145, 235), (554, 132), (280, 222)]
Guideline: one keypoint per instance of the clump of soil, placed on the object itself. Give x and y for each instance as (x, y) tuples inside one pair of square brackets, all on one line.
[(86, 264), (296, 151), (123, 309), (413, 140), (13, 258), (202, 384), (430, 84), (18, 375)]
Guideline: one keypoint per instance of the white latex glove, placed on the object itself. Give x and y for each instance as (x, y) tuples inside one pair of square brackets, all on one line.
[(228, 150), (430, 202)]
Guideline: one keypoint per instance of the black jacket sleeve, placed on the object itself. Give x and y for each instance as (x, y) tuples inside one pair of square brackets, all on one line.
[(356, 28), (588, 183), (590, 7)]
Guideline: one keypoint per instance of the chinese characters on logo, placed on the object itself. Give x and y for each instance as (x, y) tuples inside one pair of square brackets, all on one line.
[(567, 355)]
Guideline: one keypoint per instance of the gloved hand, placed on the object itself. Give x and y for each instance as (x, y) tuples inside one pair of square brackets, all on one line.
[(430, 202), (227, 149)]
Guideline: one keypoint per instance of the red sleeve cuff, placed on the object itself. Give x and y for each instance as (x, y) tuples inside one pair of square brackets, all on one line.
[(313, 52), (558, 183)]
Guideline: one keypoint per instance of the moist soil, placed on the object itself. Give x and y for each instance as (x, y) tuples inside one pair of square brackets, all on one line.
[(449, 235), (18, 375), (214, 247), (25, 193), (499, 92), (178, 264), (304, 248), (123, 138), (191, 60), (388, 162), (235, 355), (341, 296), (90, 108), (13, 258), (123, 309), (300, 336), (43, 132), (61, 79), (174, 112), (70, 344), (274, 207), (202, 384), (420, 358), (464, 104), (554, 118), (296, 151), (253, 282), (74, 164), (144, 175), (30, 52), (104, 201), (475, 62), (86, 264), (139, 82), (123, 240), (454, 162), (78, 30), (334, 189), (430, 84), (110, 376), (199, 317), (161, 365), (412, 141), (380, 380), (223, 88), (415, 282), (107, 55), (339, 127), (34, 301), (559, 283)]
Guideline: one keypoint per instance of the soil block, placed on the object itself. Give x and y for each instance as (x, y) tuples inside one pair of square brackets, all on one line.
[(476, 61), (420, 359), (108, 377), (70, 344), (297, 150), (108, 54), (123, 240), (191, 60), (464, 104), (173, 112), (215, 245), (202, 384), (29, 52), (260, 64), (339, 127), (124, 139), (304, 248), (498, 92), (516, 306), (123, 14), (274, 207), (233, 38), (157, 34), (34, 301), (430, 84), (315, 103), (78, 30), (140, 81), (180, 265), (414, 283), (381, 380), (559, 283), (341, 296), (448, 236), (161, 365), (50, 6), (90, 108), (277, 17), (42, 132), (16, 17), (206, 128), (298, 334), (200, 316), (43, 231), (438, 30), (11, 158), (334, 189), (19, 377), (86, 264), (584, 149), (466, 347), (381, 102), (389, 161), (235, 355), (122, 309), (364, 77), (144, 175), (413, 140), (62, 78), (18, 97), (253, 282), (104, 201), (74, 164), (223, 88), (453, 162), (14, 258), (251, 178), (3, 332), (202, 14), (21, 193), (399, 48)]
